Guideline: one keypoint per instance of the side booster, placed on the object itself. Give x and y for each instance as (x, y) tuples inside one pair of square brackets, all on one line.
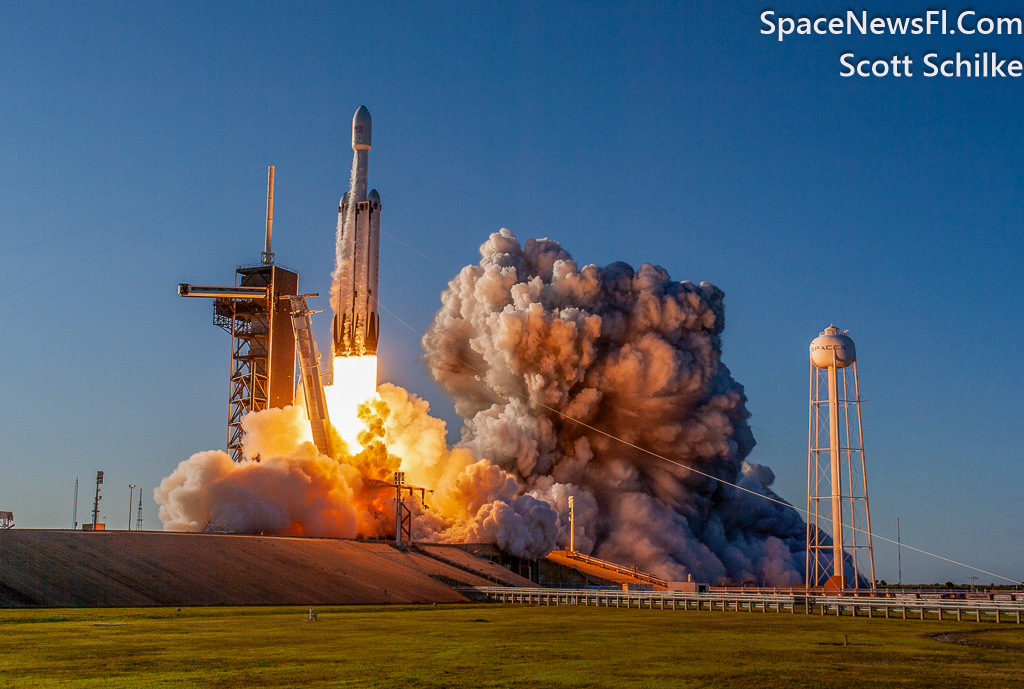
[(356, 321)]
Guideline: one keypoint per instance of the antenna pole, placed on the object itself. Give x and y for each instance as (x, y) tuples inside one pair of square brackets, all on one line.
[(899, 552), (131, 501), (399, 480), (268, 254), (572, 526), (74, 516), (96, 503), (138, 523)]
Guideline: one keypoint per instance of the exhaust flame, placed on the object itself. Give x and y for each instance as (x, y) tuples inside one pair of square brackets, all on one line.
[(355, 382)]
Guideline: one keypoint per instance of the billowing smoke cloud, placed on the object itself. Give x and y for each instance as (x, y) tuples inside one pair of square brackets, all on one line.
[(548, 364), (291, 490), (527, 340), (285, 486)]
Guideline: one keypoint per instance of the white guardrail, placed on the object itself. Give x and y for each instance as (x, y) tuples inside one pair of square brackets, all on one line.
[(807, 604)]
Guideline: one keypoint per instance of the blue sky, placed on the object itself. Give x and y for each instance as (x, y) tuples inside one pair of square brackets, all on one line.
[(667, 133)]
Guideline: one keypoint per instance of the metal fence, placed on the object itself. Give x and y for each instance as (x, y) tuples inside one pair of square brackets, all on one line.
[(881, 607)]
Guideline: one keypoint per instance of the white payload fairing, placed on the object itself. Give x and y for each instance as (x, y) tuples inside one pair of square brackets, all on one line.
[(356, 321)]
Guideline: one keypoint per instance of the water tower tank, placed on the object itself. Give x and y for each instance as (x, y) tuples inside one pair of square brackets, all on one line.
[(832, 347)]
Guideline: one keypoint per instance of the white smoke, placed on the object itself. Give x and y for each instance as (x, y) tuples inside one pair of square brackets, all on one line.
[(527, 344), (342, 274), (527, 336), (285, 486)]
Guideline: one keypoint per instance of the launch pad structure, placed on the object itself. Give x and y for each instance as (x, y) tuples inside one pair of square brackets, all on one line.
[(262, 345), (311, 379), (269, 322), (262, 335)]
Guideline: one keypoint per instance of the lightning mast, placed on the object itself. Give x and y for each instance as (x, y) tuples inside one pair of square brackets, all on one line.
[(96, 502), (262, 340), (131, 495)]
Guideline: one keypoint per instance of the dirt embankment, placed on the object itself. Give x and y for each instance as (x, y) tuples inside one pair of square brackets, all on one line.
[(57, 568)]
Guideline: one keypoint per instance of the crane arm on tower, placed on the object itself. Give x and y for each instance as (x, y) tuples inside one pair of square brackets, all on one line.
[(210, 291)]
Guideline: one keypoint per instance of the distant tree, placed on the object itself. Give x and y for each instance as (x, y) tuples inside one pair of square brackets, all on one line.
[(881, 582), (949, 584)]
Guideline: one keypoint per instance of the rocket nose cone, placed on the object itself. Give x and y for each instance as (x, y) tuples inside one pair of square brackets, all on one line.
[(362, 128)]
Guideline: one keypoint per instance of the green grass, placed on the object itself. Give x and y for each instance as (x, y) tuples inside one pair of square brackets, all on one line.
[(490, 646)]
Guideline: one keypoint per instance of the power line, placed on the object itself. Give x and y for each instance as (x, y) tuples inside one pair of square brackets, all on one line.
[(126, 216), (314, 223), (903, 490), (689, 468), (386, 234), (679, 464), (396, 239), (696, 471), (124, 239)]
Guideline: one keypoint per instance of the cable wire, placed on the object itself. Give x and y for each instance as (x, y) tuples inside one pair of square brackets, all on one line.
[(128, 215), (679, 464), (689, 468), (874, 478), (124, 239)]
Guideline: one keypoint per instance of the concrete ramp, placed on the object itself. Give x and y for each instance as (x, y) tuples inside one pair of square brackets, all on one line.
[(60, 568), (601, 572), (456, 557)]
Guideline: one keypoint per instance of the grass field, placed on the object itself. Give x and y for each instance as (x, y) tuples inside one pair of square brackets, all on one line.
[(494, 646)]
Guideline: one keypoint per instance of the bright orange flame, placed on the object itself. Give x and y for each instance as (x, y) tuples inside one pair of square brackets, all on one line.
[(355, 382)]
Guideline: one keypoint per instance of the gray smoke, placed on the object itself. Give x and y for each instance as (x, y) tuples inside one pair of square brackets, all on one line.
[(528, 335)]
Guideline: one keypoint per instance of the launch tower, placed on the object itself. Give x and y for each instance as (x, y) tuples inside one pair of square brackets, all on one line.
[(262, 338), (837, 489)]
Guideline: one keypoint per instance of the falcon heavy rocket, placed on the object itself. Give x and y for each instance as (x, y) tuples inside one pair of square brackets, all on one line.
[(355, 327)]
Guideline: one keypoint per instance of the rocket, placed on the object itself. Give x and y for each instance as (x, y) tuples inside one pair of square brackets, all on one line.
[(356, 321)]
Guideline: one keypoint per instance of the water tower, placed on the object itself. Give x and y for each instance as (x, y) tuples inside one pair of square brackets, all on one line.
[(837, 489)]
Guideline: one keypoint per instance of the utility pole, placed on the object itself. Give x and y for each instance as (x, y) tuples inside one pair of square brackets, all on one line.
[(399, 480), (96, 503), (572, 526), (899, 551), (973, 579), (403, 514), (74, 515), (131, 501)]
